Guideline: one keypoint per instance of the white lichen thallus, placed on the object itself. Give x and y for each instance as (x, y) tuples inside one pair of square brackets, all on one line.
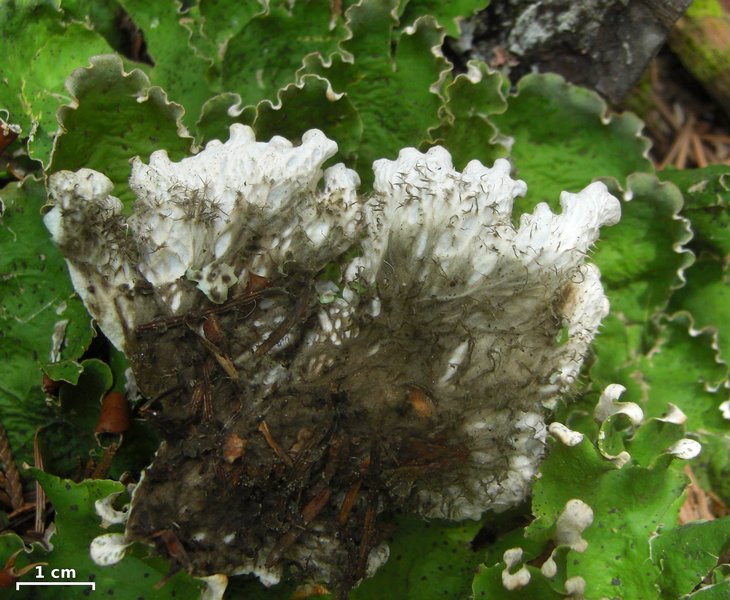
[(431, 353)]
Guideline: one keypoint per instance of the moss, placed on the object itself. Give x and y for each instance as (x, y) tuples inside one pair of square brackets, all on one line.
[(700, 9)]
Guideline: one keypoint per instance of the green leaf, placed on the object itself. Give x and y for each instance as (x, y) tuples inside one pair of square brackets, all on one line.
[(64, 370), (103, 15), (640, 258), (688, 553), (178, 69), (39, 51), (68, 443), (76, 525), (448, 14), (720, 591), (290, 117), (466, 129), (36, 298), (335, 116), (630, 506), (532, 545), (652, 440), (707, 298), (80, 403), (265, 55), (216, 116), (388, 89), (10, 544), (564, 138), (118, 364), (684, 369), (612, 436), (488, 585), (712, 467), (115, 117), (428, 561), (67, 439), (219, 21), (707, 204), (617, 348)]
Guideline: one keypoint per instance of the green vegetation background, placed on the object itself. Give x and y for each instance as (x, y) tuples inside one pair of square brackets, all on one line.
[(66, 85)]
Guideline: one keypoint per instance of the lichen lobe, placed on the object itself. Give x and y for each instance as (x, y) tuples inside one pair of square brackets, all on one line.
[(313, 358)]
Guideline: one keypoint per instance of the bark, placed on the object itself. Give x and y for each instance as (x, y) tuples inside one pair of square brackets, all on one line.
[(602, 44)]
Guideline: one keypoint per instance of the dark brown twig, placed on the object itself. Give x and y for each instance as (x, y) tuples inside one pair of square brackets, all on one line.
[(243, 299), (101, 468), (40, 494), (283, 328), (13, 484), (274, 445)]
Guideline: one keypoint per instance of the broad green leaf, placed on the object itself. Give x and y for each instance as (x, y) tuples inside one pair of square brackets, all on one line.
[(67, 439), (137, 449), (533, 546), (80, 403), (652, 440), (216, 116), (577, 414), (617, 348), (118, 364), (681, 368), (567, 469), (427, 561), (335, 116), (37, 299), (76, 525), (39, 50), (719, 591), (641, 258), (488, 585), (684, 369), (712, 467), (707, 298), (264, 55), (115, 117), (612, 436), (720, 574), (564, 138), (466, 130), (290, 117), (10, 544), (218, 21), (707, 204), (103, 15), (64, 370), (688, 553), (178, 69), (69, 443), (388, 89), (630, 506), (448, 14)]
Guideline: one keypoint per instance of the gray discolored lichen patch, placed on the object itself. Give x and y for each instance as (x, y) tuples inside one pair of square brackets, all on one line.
[(313, 358)]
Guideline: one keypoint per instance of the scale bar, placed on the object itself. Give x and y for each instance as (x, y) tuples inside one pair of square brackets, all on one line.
[(19, 583)]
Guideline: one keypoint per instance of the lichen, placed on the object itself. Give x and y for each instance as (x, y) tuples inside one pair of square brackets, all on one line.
[(313, 358), (518, 579), (576, 517)]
